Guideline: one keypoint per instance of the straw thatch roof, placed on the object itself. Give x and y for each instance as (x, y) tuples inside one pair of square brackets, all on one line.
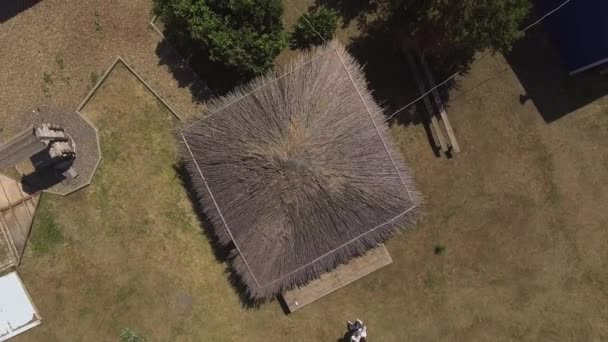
[(295, 172)]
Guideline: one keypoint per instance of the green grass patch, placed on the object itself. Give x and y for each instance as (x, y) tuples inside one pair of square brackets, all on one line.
[(130, 335), (124, 293), (439, 249), (47, 78), (431, 281), (46, 232), (85, 312), (48, 82), (93, 78), (96, 21), (59, 61)]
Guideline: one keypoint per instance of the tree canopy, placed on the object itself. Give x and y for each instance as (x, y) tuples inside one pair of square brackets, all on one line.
[(314, 28), (466, 24), (244, 35)]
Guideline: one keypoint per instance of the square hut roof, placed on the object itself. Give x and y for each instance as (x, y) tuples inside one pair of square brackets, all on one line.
[(299, 172)]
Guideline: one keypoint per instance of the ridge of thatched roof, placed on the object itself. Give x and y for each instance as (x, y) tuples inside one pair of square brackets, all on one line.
[(299, 172)]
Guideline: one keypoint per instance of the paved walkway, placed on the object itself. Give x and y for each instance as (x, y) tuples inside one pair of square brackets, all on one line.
[(53, 53)]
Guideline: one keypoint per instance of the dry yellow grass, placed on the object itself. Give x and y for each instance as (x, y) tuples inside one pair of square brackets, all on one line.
[(521, 212), (53, 53)]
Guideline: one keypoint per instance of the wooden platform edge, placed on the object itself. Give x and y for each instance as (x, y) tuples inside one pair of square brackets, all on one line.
[(427, 103), (440, 106), (342, 276)]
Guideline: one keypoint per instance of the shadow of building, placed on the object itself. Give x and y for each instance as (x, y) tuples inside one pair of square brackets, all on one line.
[(546, 80), (10, 8)]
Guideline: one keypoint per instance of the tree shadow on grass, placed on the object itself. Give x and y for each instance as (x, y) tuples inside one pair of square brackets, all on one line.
[(387, 74), (390, 77), (182, 72), (546, 81), (392, 82), (222, 253), (192, 67)]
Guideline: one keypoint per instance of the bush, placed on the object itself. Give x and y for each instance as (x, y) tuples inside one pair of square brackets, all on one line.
[(130, 335), (314, 28), (243, 35)]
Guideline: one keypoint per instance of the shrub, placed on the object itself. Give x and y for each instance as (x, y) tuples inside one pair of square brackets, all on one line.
[(130, 335), (243, 35), (314, 28)]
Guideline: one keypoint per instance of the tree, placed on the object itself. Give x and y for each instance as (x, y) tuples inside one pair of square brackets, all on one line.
[(243, 35), (314, 28), (441, 25)]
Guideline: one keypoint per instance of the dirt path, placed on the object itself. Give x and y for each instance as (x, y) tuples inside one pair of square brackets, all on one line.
[(53, 53)]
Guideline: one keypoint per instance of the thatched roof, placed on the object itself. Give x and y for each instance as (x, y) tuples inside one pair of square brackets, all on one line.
[(299, 172)]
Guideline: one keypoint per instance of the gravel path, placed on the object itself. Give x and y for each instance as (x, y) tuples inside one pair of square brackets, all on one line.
[(53, 53)]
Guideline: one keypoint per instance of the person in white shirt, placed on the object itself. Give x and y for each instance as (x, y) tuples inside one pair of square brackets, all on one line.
[(357, 332)]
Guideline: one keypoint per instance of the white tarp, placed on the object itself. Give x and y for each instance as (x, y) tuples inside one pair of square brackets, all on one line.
[(17, 313)]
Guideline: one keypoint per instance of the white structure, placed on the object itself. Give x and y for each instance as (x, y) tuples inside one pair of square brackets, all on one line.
[(17, 312)]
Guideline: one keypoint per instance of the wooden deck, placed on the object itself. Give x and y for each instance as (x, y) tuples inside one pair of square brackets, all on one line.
[(17, 209), (339, 278), (20, 147), (440, 106)]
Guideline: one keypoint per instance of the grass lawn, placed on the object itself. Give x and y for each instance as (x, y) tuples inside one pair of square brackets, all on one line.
[(513, 244), (128, 251), (521, 213)]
